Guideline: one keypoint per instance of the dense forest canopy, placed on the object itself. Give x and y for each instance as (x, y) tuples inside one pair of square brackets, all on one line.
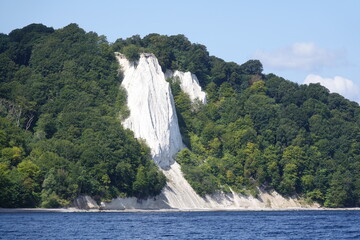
[(60, 134), (259, 130), (60, 137)]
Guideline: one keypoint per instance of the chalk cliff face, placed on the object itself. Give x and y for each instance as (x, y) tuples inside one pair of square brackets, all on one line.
[(153, 118), (189, 84), (152, 110), (84, 202)]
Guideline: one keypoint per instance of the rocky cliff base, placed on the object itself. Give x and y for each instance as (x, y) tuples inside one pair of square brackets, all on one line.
[(153, 119), (178, 195)]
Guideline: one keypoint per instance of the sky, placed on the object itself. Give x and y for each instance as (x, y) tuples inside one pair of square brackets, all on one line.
[(305, 41)]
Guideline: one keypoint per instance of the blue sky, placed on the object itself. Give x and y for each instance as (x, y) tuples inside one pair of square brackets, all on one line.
[(302, 41)]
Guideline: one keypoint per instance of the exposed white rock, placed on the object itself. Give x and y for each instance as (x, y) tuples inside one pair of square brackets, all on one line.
[(152, 111), (153, 118), (189, 83), (178, 192), (159, 202), (175, 196), (84, 202)]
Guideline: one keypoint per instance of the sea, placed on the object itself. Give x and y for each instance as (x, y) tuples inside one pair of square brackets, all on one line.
[(182, 225)]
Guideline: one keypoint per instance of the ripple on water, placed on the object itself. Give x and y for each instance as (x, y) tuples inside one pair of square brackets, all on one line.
[(182, 225)]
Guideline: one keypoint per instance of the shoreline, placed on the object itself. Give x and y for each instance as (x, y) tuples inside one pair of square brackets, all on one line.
[(75, 210)]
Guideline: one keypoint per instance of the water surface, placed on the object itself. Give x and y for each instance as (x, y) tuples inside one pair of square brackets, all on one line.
[(182, 225)]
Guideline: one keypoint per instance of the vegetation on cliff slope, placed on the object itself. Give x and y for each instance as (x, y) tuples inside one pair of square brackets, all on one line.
[(60, 135), (260, 130)]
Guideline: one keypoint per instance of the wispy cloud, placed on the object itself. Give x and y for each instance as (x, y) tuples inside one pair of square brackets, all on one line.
[(304, 56), (338, 84)]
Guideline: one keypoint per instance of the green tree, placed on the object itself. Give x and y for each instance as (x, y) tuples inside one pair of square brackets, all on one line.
[(252, 67), (339, 193), (131, 52)]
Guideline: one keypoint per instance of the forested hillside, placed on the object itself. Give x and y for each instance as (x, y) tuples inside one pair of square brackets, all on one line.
[(259, 130), (60, 133)]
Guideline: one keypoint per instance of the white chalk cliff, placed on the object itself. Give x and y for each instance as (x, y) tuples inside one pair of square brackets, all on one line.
[(153, 119), (188, 84), (152, 110)]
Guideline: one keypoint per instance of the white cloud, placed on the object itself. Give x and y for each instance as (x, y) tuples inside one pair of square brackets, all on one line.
[(301, 56), (338, 84)]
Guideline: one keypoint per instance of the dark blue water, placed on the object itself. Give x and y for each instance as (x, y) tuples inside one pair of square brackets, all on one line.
[(182, 225)]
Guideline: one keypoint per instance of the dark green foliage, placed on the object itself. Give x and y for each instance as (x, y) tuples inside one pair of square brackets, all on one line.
[(60, 135), (174, 52), (270, 133), (148, 182), (178, 53), (19, 43), (197, 173), (131, 52), (252, 67)]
